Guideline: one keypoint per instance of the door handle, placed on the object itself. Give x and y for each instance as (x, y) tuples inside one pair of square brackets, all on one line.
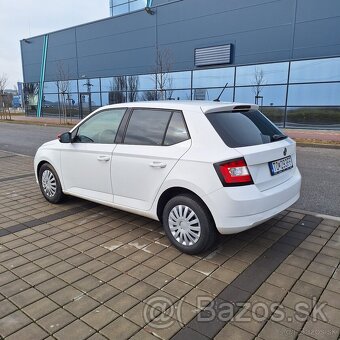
[(159, 165), (103, 158)]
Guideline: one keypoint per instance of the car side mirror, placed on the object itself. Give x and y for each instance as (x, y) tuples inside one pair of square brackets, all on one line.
[(65, 137)]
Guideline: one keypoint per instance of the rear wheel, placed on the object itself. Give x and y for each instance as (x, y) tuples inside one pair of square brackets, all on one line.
[(189, 224), (50, 184)]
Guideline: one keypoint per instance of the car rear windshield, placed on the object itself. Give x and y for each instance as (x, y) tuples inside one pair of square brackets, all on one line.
[(244, 128)]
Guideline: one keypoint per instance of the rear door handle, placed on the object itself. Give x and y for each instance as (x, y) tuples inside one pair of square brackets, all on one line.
[(159, 165), (103, 158)]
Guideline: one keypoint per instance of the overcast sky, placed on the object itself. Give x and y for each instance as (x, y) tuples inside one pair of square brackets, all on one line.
[(26, 18)]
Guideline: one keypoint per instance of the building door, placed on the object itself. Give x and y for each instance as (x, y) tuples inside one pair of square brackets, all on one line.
[(85, 107)]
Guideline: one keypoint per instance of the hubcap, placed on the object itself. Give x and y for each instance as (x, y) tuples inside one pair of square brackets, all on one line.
[(49, 183), (184, 225)]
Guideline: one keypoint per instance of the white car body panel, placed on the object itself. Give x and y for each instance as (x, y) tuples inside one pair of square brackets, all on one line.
[(93, 176), (50, 153), (138, 172), (258, 156), (127, 181)]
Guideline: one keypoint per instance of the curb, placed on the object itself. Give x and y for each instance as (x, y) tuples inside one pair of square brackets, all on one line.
[(318, 145), (306, 212), (23, 122)]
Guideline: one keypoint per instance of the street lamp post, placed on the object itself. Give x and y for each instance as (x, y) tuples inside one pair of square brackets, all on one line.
[(69, 100), (88, 85), (259, 100)]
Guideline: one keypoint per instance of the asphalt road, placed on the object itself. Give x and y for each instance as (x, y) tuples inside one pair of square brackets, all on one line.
[(26, 139), (320, 167)]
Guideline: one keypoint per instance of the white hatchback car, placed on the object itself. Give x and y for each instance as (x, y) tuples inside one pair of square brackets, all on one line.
[(198, 167)]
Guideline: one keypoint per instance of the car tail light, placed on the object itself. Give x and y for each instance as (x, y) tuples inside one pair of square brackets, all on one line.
[(234, 172)]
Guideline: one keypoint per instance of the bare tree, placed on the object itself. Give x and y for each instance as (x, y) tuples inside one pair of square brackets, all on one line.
[(63, 85), (4, 98), (132, 87), (150, 95), (162, 74), (259, 81), (3, 82), (117, 90)]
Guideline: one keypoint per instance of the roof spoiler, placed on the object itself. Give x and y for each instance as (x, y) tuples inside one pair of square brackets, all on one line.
[(242, 108), (231, 108)]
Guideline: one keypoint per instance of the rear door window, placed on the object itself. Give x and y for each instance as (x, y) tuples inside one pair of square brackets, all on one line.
[(147, 127), (177, 131), (244, 128)]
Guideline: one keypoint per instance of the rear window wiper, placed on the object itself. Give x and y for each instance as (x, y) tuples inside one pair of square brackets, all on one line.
[(278, 137)]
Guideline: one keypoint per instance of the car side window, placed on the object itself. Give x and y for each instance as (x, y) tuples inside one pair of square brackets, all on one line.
[(101, 128), (147, 127), (177, 130)]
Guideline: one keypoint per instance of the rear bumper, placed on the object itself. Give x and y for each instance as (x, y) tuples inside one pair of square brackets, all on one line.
[(241, 208)]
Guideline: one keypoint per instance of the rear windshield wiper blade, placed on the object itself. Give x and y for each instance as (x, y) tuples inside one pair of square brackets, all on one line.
[(279, 137)]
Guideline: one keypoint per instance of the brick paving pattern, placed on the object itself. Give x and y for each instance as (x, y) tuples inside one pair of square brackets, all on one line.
[(84, 271)]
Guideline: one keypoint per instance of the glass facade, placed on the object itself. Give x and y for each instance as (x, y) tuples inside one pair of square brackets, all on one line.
[(118, 7), (292, 94)]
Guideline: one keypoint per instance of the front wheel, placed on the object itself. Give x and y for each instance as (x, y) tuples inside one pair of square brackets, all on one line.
[(50, 184), (189, 224)]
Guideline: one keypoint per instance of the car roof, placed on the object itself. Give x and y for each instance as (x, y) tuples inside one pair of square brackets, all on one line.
[(205, 106)]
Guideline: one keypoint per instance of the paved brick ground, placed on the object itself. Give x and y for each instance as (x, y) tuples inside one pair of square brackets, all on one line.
[(83, 271)]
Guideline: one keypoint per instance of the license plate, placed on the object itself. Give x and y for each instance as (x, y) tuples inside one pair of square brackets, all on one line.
[(281, 165)]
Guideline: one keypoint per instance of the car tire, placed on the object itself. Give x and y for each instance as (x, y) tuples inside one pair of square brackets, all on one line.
[(189, 225), (50, 184)]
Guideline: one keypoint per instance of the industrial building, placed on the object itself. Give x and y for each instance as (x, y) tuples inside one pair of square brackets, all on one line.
[(282, 54)]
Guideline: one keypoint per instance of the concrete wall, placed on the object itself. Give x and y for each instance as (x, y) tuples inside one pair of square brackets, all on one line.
[(260, 31)]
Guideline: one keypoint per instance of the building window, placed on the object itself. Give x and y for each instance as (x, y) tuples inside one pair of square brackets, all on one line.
[(318, 70), (213, 77), (178, 94), (275, 114), (312, 99), (212, 94), (118, 7), (263, 95), (89, 85), (324, 94), (50, 87), (313, 117), (265, 74), (179, 80), (146, 82), (31, 91)]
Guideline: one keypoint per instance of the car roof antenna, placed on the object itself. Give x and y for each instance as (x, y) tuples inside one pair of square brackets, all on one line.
[(218, 98)]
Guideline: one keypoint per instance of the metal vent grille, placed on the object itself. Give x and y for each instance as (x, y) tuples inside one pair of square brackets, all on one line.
[(213, 55)]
